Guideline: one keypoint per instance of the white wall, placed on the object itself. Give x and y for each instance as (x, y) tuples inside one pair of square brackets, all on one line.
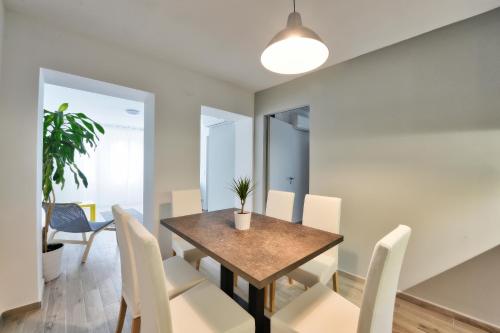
[(204, 131), (408, 134), (243, 166), (179, 93), (220, 166), (2, 20)]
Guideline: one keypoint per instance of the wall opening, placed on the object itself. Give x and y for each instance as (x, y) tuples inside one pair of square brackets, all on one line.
[(129, 135), (226, 152), (287, 155), (114, 169)]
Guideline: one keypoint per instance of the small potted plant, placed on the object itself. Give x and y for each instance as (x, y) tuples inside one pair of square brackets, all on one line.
[(242, 186)]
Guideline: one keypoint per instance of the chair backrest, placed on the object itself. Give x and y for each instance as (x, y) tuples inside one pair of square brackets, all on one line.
[(130, 289), (186, 202), (377, 306), (280, 205), (68, 217), (155, 305), (322, 213)]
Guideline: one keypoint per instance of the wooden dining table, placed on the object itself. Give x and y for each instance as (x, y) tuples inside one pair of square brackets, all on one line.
[(270, 249)]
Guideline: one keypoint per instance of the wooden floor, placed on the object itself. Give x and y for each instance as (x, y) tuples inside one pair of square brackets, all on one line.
[(85, 298)]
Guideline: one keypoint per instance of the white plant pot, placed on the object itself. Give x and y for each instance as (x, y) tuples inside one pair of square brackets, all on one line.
[(242, 221), (51, 262)]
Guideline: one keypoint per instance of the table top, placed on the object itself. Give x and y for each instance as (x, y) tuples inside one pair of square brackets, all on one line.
[(270, 249)]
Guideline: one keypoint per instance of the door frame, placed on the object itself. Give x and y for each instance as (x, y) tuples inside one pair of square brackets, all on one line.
[(224, 123), (267, 128), (91, 85)]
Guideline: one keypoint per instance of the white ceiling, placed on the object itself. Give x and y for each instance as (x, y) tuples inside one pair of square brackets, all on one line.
[(224, 38), (106, 110)]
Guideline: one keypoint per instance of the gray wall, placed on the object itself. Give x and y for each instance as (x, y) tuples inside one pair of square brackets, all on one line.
[(409, 134), (470, 288)]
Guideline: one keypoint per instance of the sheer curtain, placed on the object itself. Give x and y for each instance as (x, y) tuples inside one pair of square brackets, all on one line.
[(114, 171)]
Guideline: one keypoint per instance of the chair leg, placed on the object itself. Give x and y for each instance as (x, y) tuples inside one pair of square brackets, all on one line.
[(87, 248), (198, 263), (335, 282), (272, 301), (136, 325), (121, 316), (52, 235), (290, 281)]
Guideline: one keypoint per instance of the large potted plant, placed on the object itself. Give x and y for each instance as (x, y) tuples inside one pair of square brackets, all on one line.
[(64, 135), (242, 187)]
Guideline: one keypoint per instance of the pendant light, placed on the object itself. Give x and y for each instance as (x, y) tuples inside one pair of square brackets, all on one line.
[(295, 49)]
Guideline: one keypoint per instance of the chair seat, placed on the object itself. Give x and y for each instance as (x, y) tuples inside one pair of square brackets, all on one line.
[(317, 310), (96, 226), (205, 308), (180, 275), (186, 250), (319, 269)]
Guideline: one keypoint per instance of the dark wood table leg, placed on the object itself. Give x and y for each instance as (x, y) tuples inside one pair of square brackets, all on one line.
[(256, 309), (255, 305), (226, 281)]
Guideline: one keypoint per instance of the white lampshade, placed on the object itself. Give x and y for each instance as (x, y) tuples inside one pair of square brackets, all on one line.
[(294, 50)]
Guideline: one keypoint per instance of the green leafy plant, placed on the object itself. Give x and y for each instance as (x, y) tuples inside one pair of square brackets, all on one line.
[(242, 186), (64, 135)]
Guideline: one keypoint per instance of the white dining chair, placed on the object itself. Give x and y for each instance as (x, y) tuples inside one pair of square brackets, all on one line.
[(322, 213), (203, 308), (280, 205), (186, 202), (322, 310), (180, 275)]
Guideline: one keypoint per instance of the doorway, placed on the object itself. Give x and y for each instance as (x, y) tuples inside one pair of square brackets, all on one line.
[(226, 147), (114, 169), (288, 155), (120, 170)]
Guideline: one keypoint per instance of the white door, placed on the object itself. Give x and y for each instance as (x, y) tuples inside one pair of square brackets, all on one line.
[(220, 166), (289, 162)]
